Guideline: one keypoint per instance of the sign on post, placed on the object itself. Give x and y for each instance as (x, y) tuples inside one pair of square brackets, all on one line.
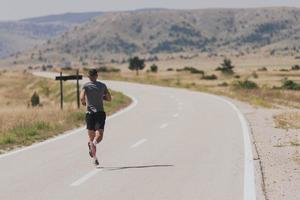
[(62, 78)]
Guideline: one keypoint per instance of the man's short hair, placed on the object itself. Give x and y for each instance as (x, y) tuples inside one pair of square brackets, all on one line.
[(93, 72)]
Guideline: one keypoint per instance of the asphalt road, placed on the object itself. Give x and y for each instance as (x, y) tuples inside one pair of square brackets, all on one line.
[(170, 144)]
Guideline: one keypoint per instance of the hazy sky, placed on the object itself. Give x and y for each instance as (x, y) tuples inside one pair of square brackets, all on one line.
[(18, 9)]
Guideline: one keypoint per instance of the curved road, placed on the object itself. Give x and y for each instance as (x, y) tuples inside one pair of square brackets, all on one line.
[(170, 144)]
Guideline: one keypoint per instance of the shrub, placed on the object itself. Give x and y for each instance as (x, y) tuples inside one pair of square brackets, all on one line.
[(290, 85), (296, 67), (192, 70), (246, 84), (187, 68), (170, 69), (196, 71), (226, 67), (209, 77), (154, 68), (35, 100), (263, 69), (104, 69)]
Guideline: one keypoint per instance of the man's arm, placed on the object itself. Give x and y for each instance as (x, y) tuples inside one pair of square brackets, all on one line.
[(82, 97), (107, 96)]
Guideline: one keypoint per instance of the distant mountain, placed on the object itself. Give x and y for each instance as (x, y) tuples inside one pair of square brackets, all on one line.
[(68, 18), (16, 36), (154, 32)]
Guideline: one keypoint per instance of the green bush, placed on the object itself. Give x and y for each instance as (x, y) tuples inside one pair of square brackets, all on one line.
[(105, 69), (196, 71), (192, 70), (209, 77), (154, 68), (290, 85), (226, 67), (296, 67), (263, 69), (35, 100), (246, 84)]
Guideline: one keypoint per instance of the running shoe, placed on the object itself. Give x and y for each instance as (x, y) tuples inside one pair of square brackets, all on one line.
[(96, 162)]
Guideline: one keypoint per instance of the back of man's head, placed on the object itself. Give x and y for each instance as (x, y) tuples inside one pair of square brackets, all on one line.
[(93, 72)]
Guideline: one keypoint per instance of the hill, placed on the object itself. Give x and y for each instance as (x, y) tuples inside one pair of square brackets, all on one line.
[(152, 33), (16, 36)]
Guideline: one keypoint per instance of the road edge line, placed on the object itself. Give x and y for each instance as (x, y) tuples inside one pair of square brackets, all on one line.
[(249, 172)]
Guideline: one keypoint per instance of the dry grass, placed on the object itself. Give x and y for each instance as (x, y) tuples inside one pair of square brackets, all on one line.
[(297, 159), (287, 120), (264, 96), (22, 125)]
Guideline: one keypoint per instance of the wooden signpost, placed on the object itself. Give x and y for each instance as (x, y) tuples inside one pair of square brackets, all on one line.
[(62, 78)]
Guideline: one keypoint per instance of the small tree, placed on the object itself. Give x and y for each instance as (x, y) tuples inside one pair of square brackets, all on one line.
[(136, 64), (226, 67), (35, 100), (296, 67), (154, 68)]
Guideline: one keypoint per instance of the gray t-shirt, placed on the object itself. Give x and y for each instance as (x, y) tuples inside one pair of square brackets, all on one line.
[(94, 92)]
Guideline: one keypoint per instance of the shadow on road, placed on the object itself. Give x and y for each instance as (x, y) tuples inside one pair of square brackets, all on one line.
[(133, 167)]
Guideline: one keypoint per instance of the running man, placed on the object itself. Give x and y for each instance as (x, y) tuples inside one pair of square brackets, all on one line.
[(92, 95)]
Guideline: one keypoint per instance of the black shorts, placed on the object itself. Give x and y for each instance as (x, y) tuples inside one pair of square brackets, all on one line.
[(95, 121)]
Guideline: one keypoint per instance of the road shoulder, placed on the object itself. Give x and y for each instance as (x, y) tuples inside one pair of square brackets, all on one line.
[(277, 176)]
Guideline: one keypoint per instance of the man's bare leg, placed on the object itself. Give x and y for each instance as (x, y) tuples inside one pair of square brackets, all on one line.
[(92, 135), (99, 136)]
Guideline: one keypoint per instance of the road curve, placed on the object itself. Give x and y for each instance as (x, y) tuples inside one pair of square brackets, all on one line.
[(171, 144)]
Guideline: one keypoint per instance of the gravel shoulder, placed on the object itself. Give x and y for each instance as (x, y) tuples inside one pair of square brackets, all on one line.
[(276, 154)]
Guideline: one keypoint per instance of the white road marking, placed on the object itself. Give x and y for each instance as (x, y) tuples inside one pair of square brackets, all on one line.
[(86, 177), (176, 115), (96, 171), (180, 103), (165, 125), (249, 175), (70, 133), (138, 143)]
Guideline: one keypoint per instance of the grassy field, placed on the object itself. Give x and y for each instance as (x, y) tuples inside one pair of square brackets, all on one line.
[(21, 124), (268, 92), (268, 73)]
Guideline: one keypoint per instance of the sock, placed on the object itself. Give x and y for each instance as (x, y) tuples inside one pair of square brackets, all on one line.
[(95, 142)]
